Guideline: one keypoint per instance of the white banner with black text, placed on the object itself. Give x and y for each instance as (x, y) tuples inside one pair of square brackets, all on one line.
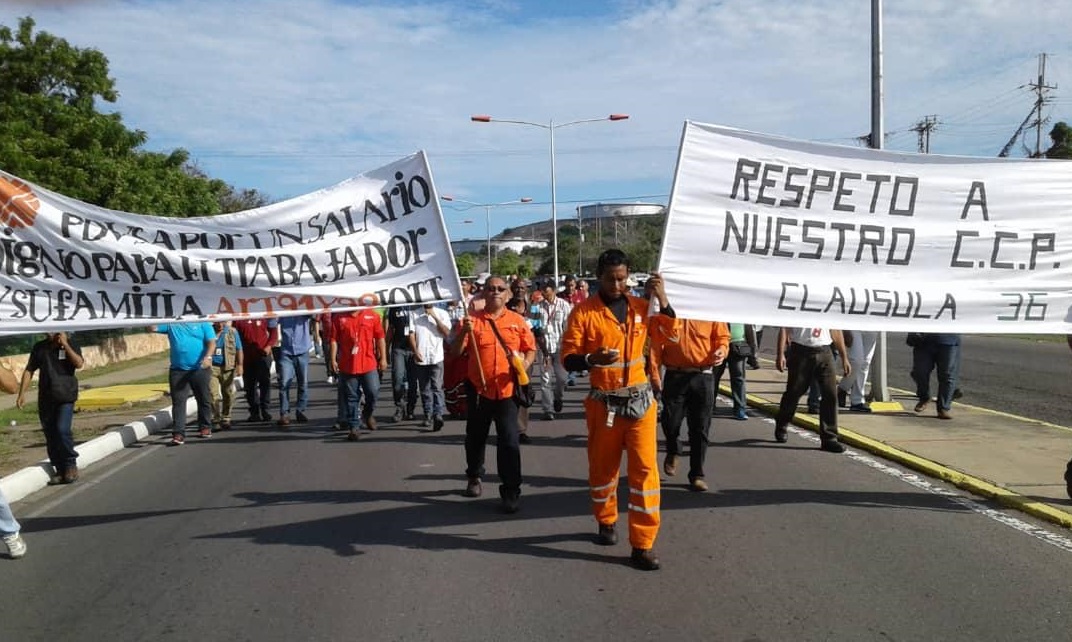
[(377, 239), (784, 232)]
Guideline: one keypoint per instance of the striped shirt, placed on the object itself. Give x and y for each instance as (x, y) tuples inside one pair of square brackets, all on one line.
[(553, 316)]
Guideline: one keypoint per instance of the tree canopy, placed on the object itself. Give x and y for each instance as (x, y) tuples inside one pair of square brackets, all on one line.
[(1061, 136), (52, 134)]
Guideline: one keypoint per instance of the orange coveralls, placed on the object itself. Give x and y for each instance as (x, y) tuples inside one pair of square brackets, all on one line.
[(591, 326), (686, 343)]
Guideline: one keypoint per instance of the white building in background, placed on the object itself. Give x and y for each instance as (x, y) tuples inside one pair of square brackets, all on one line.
[(478, 246), (473, 246), (516, 244), (595, 219)]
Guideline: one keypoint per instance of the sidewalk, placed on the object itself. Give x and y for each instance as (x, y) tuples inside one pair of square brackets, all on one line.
[(1016, 461)]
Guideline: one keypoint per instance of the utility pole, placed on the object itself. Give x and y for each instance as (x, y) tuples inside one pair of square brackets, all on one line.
[(880, 389), (1041, 98), (923, 129)]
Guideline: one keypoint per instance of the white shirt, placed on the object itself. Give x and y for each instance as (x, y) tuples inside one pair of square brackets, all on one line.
[(811, 337), (553, 317), (426, 334)]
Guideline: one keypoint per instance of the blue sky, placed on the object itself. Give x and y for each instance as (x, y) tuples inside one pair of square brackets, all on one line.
[(288, 97)]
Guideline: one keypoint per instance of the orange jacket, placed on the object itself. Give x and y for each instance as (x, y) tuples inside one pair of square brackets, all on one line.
[(592, 325), (498, 373), (686, 343)]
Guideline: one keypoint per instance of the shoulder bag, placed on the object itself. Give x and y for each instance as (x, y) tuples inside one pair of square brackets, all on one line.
[(522, 393)]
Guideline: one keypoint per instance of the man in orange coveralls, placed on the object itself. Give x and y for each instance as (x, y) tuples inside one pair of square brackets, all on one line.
[(689, 350), (606, 335)]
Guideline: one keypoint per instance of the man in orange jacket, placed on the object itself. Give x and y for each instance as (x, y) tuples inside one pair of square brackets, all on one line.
[(606, 335), (689, 350)]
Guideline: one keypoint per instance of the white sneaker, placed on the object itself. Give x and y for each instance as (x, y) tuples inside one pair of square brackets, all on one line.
[(16, 546)]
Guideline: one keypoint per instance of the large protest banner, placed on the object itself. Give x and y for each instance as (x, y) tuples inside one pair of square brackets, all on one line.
[(376, 239), (790, 233)]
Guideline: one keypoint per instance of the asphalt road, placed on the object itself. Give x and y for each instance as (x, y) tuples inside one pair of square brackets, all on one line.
[(265, 534), (1020, 376)]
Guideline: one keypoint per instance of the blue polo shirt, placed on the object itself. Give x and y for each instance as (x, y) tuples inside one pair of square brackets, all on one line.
[(187, 341)]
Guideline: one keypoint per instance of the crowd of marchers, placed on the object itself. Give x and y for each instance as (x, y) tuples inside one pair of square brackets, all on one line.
[(488, 358)]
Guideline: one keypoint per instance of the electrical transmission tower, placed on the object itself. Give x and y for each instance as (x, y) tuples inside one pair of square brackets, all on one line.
[(923, 129)]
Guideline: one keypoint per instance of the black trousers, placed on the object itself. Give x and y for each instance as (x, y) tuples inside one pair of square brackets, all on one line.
[(483, 411), (257, 380), (688, 396), (806, 365), (181, 383)]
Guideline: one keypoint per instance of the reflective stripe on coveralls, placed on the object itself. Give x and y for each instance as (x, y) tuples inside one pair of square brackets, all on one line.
[(591, 326)]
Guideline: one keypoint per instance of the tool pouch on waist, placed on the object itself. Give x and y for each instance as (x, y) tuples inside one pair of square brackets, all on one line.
[(633, 404)]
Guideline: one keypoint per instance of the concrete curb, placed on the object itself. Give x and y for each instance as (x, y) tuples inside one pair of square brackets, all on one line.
[(973, 485), (31, 479)]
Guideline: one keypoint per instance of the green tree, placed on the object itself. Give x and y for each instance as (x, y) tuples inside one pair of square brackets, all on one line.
[(1061, 135), (52, 134), (231, 199), (466, 264), (505, 262)]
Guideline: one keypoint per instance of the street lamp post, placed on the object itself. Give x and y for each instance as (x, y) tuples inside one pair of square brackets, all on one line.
[(550, 127), (487, 214)]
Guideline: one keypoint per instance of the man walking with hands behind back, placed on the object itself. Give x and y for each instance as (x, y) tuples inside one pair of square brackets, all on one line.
[(690, 350), (606, 334)]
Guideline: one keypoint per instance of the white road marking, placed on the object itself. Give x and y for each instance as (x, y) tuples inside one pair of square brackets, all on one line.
[(972, 504), (84, 485)]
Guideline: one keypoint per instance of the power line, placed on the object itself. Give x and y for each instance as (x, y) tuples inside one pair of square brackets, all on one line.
[(924, 128)]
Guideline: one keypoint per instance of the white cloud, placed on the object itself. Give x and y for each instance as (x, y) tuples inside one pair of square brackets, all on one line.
[(287, 96)]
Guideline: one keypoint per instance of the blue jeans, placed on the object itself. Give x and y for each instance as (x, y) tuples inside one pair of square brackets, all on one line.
[(735, 365), (8, 524), (430, 380), (403, 379), (56, 420), (924, 360), (291, 367), (351, 388)]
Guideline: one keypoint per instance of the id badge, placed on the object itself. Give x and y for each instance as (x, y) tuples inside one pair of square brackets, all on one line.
[(353, 350), (62, 355), (610, 418)]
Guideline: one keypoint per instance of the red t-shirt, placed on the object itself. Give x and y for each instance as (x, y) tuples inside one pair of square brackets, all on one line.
[(355, 334)]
